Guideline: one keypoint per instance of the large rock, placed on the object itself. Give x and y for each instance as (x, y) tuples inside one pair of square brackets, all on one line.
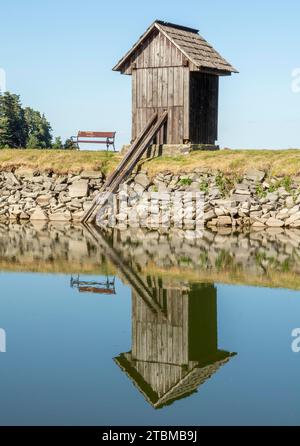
[(258, 224), (209, 215), (295, 224), (224, 221), (242, 191), (122, 216), (11, 179), (78, 189), (43, 200), (292, 219), (255, 175), (24, 216), (24, 172), (274, 223), (77, 216), (142, 179), (38, 214), (91, 175), (60, 216), (139, 189), (240, 198), (272, 197), (60, 187), (289, 202)]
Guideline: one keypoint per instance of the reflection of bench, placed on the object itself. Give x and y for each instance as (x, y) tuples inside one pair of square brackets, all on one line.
[(84, 286), (107, 138), (92, 289)]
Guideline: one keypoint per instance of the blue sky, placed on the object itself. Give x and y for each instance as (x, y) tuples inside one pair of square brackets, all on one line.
[(58, 56)]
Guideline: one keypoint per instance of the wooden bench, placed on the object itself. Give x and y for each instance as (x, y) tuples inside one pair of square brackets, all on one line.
[(107, 138)]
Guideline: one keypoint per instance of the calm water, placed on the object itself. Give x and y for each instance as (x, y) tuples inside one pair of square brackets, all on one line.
[(140, 328)]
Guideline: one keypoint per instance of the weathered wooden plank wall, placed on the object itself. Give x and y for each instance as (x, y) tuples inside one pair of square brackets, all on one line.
[(160, 82), (160, 346), (155, 339)]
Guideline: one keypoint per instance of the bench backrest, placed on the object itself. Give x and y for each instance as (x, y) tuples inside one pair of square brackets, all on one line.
[(96, 134)]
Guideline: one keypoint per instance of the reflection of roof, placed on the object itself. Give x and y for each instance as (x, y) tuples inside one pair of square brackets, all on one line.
[(189, 42), (187, 385)]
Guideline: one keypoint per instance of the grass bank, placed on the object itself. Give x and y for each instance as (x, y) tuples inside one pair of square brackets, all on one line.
[(58, 161), (275, 162)]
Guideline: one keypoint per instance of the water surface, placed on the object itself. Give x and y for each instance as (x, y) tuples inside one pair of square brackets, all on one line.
[(143, 328)]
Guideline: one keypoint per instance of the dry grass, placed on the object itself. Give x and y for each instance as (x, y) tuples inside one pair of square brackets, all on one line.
[(272, 279), (58, 161), (275, 162), (56, 267)]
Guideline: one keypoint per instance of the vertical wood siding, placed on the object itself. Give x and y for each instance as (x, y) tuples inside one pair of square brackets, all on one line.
[(161, 80)]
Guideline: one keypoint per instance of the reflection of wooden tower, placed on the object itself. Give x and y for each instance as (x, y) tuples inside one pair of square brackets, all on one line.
[(176, 350)]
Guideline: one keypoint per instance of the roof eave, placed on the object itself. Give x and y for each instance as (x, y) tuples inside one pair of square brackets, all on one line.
[(216, 71), (118, 66), (158, 25)]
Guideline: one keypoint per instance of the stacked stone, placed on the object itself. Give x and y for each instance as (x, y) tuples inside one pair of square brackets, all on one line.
[(31, 195)]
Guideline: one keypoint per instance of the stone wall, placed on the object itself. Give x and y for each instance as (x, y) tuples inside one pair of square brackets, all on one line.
[(252, 200), (31, 195)]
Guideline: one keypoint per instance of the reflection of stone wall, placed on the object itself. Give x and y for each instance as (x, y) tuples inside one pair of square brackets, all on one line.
[(256, 253), (53, 247)]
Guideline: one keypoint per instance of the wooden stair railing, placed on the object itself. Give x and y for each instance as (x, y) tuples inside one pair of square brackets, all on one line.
[(127, 165)]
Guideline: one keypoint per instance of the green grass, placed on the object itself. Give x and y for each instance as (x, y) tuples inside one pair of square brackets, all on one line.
[(185, 182)]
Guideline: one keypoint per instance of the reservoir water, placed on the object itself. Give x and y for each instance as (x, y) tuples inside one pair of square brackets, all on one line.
[(148, 328)]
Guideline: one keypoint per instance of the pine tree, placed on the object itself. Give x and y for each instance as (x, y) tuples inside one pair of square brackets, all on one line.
[(58, 144), (70, 144), (39, 130), (13, 127)]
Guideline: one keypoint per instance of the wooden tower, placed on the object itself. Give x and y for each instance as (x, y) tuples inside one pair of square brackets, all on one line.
[(174, 69)]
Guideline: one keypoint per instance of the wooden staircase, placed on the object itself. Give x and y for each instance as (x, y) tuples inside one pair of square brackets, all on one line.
[(126, 166)]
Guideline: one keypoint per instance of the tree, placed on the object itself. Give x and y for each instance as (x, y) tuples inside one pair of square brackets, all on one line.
[(39, 130), (58, 144), (70, 144), (13, 126)]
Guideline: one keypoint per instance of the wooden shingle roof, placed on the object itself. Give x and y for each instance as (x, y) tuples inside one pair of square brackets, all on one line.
[(187, 385), (194, 47)]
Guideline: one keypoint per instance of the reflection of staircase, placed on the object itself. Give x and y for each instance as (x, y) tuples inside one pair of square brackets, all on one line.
[(174, 331), (127, 165), (136, 282)]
